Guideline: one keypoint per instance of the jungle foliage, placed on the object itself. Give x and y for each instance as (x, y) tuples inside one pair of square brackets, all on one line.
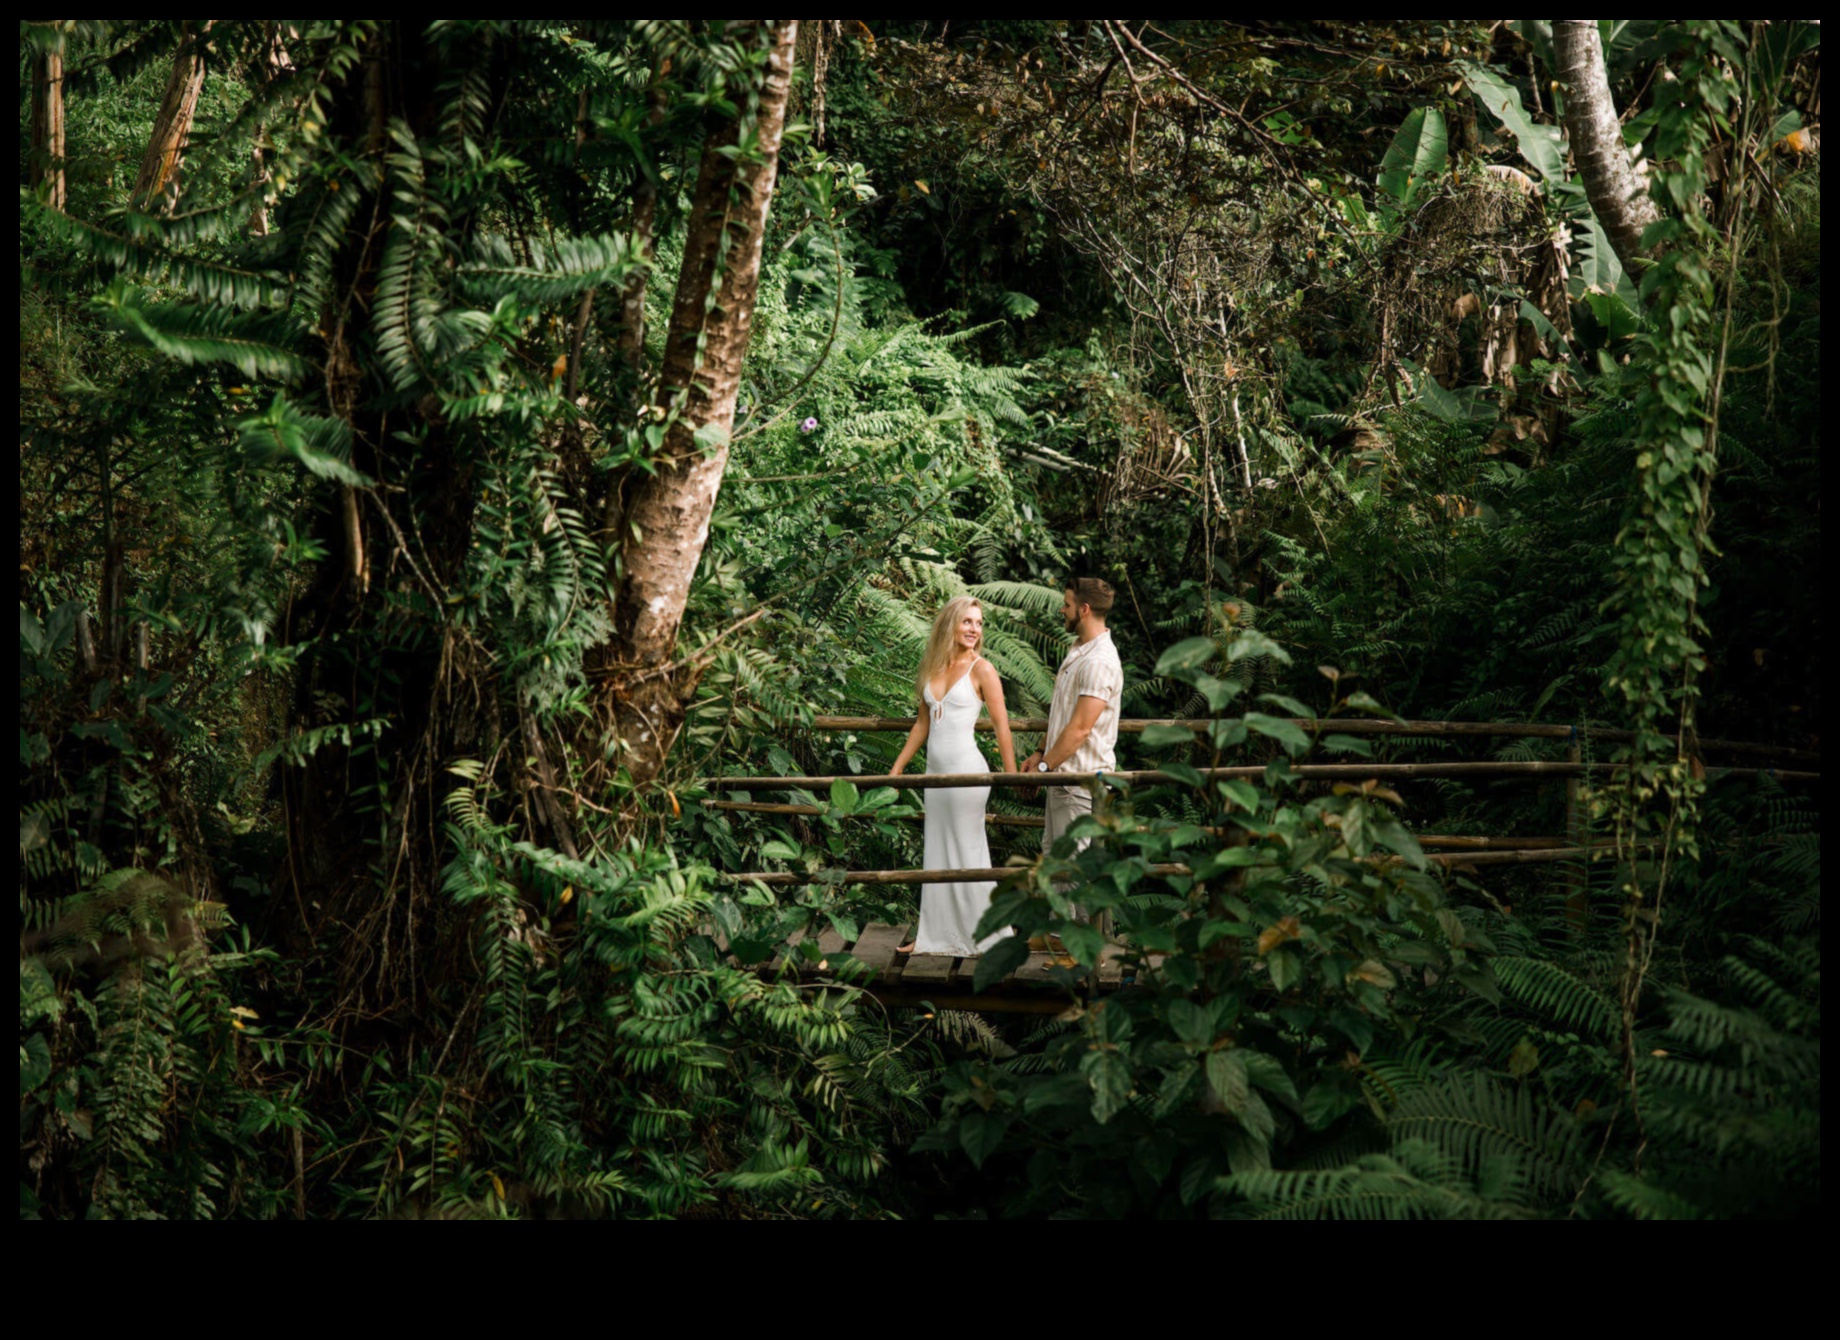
[(347, 890)]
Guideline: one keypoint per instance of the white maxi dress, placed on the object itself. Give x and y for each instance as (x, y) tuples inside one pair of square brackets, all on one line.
[(955, 836)]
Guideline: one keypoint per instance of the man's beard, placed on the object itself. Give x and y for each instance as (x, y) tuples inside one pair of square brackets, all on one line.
[(1073, 623)]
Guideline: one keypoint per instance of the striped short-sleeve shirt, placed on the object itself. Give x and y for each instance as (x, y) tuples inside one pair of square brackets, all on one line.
[(1090, 670)]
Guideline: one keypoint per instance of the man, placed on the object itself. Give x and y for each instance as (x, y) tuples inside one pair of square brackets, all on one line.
[(1083, 719)]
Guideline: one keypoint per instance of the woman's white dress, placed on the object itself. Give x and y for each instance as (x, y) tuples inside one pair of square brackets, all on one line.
[(955, 836)]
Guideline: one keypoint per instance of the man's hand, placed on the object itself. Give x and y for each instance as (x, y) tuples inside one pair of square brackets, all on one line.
[(1028, 765)]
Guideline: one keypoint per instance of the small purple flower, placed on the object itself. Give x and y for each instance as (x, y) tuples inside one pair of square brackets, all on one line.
[(808, 425)]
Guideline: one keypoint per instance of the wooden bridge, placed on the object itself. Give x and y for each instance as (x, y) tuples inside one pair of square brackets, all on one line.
[(1045, 984), (1049, 981)]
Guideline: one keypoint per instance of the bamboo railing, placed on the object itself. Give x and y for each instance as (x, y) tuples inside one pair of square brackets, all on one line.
[(1514, 730), (1352, 772), (1429, 840), (1446, 850), (1541, 856), (1360, 726)]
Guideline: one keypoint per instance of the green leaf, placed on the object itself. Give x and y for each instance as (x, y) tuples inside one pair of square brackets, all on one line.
[(980, 1133), (255, 344), (1539, 144), (1363, 702), (1327, 1100), (1618, 319), (1419, 150), (844, 796), (1286, 968), (1190, 1022), (1597, 269), (1232, 858), (1188, 655), (1083, 942), (1289, 704), (1388, 832), (779, 850), (1000, 960), (1243, 794), (1269, 1074), (1186, 773), (1156, 737), (1110, 1077), (1251, 642), (1221, 930), (1286, 732), (1227, 1077)]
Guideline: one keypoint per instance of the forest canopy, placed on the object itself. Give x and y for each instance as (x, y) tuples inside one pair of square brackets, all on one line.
[(453, 455)]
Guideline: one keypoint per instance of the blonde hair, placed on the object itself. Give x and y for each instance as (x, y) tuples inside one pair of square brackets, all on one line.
[(940, 643)]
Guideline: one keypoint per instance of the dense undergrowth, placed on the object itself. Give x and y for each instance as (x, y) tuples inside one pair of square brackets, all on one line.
[(331, 904)]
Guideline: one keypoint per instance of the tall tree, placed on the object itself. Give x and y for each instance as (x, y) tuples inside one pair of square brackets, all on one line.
[(667, 520), (48, 117), (1615, 189), (173, 126)]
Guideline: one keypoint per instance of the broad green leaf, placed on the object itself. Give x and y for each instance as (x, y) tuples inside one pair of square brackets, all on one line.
[(1218, 692), (880, 798), (1233, 858), (1110, 1077), (1539, 144), (1186, 773), (1364, 702), (778, 850), (1289, 704), (1157, 737), (1617, 318), (1596, 267), (844, 796), (1327, 1100), (1269, 1074), (1222, 930), (980, 1133), (1083, 942), (1285, 731), (1251, 642), (1388, 832), (1190, 1022), (1243, 794), (1286, 968), (1000, 960), (1419, 150), (1188, 655), (1227, 1077)]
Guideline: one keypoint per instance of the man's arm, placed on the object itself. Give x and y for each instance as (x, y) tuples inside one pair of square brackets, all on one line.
[(1086, 714)]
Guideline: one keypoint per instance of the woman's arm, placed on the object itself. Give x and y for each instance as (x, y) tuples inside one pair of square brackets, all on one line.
[(915, 738), (991, 685)]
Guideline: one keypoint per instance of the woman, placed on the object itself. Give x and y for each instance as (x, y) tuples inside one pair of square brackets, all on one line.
[(956, 684)]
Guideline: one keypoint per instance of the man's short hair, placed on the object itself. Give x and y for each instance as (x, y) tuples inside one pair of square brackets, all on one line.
[(1091, 591)]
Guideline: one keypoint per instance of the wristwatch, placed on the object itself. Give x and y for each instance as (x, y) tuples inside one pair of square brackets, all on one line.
[(1041, 765)]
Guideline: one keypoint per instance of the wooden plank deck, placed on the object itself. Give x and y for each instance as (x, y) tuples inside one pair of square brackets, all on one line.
[(1039, 986)]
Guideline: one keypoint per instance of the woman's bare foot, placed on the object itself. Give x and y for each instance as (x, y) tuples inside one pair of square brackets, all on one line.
[(907, 948)]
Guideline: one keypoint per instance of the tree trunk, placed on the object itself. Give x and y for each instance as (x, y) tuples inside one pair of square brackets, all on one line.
[(272, 65), (711, 319), (173, 125), (1616, 191), (48, 125)]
